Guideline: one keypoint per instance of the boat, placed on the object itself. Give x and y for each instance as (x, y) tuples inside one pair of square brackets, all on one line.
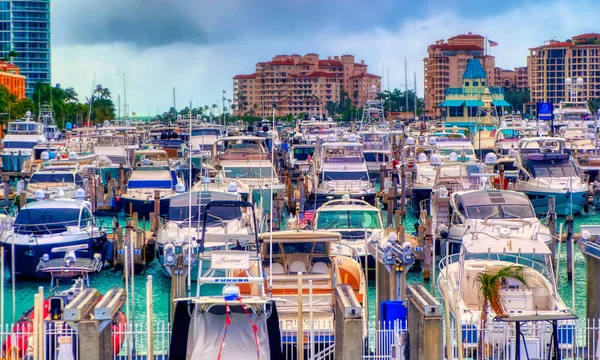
[(151, 171), (377, 148), (286, 254), (488, 211), (537, 300), (202, 140), (54, 181), (243, 305), (19, 141), (358, 222), (299, 160), (340, 168), (44, 225), (246, 159), (545, 169), (223, 224)]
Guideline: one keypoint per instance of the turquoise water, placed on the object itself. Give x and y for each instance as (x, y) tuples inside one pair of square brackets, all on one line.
[(110, 278)]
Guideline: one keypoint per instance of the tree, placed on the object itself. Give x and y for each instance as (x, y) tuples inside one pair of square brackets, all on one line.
[(594, 105), (489, 289), (516, 98)]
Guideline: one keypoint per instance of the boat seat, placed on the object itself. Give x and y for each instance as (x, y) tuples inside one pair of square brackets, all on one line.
[(277, 269), (297, 266), (320, 268)]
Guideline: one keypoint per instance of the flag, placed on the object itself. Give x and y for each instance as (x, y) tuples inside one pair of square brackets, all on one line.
[(309, 158), (492, 43), (306, 216)]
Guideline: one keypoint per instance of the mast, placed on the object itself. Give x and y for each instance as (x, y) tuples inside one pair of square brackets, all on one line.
[(406, 87)]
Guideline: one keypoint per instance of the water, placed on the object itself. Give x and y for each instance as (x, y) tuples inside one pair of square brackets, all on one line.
[(161, 294)]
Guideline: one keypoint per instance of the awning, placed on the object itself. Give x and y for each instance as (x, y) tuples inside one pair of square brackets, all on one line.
[(501, 103), (474, 103), (452, 103)]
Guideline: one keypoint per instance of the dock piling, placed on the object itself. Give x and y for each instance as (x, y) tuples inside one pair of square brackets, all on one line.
[(569, 230)]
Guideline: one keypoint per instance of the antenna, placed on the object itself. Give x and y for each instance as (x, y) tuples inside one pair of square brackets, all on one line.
[(124, 99), (91, 99)]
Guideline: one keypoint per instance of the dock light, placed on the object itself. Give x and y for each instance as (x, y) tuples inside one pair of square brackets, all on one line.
[(169, 258), (28, 114), (455, 129)]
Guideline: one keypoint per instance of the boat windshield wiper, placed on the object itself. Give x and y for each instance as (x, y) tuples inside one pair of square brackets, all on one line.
[(331, 225)]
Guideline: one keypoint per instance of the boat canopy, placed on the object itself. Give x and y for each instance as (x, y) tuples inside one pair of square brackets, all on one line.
[(506, 242)]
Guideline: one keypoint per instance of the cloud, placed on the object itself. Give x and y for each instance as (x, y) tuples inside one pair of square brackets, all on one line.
[(200, 70)]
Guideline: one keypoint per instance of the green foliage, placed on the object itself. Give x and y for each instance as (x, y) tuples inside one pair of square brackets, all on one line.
[(395, 100), (516, 98), (594, 105)]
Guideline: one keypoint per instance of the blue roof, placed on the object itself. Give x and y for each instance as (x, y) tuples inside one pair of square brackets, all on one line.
[(452, 103), (474, 103), (474, 70), (501, 103)]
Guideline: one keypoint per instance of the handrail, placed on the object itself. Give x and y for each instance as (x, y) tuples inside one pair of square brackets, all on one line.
[(519, 260)]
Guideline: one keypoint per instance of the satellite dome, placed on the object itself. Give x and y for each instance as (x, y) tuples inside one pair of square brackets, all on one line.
[(491, 158), (45, 156), (422, 157), (410, 140), (39, 195), (432, 140), (80, 194), (232, 187), (179, 188), (453, 156), (72, 155), (435, 160)]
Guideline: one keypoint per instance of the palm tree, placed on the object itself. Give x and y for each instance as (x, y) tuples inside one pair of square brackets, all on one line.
[(489, 289)]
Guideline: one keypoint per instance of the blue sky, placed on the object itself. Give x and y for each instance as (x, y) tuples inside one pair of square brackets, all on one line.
[(197, 46)]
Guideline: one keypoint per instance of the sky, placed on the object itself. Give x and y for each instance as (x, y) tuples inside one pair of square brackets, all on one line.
[(197, 46)]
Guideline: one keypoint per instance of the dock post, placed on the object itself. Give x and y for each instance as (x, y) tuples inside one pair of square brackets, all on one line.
[(382, 175), (92, 192), (348, 324), (302, 191), (22, 199), (149, 318), (300, 327), (424, 324), (95, 340), (403, 195), (135, 220), (6, 182), (428, 240), (394, 190), (121, 176), (569, 229), (552, 225), (157, 202)]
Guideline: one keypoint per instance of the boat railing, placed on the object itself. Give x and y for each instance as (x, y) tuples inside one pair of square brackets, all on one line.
[(69, 227), (345, 185), (560, 182), (515, 259)]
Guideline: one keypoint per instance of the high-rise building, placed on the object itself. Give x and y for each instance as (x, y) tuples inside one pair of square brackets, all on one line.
[(25, 30), (512, 79), (550, 64), (297, 84), (445, 65)]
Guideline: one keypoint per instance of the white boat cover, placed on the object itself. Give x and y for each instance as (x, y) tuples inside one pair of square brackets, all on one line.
[(207, 331)]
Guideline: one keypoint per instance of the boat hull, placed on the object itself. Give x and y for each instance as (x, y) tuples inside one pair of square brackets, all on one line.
[(27, 257), (566, 203), (144, 207)]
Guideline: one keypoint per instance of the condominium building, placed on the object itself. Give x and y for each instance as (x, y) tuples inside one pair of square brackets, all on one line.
[(554, 61), (297, 84), (25, 29), (516, 79), (445, 65)]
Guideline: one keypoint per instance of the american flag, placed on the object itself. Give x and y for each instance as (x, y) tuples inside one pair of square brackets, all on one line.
[(306, 216), (492, 43)]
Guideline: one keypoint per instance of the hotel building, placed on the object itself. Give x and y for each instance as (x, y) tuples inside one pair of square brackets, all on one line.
[(25, 29), (554, 61), (12, 80), (445, 65), (295, 84)]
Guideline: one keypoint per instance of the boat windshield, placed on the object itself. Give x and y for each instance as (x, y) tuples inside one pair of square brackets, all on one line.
[(457, 151), (249, 172), (48, 221), (216, 214), (547, 169), (205, 132), (302, 153), (345, 175), (348, 219), (506, 211), (55, 178), (299, 248)]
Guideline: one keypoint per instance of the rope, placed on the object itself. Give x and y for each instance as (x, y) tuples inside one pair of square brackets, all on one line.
[(228, 322)]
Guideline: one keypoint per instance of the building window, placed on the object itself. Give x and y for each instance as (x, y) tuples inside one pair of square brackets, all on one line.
[(475, 83), (467, 83)]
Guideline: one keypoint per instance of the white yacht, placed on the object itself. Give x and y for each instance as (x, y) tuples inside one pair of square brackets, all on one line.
[(223, 224), (299, 159), (535, 300), (376, 148), (340, 168), (547, 170), (357, 221), (64, 181), (19, 141)]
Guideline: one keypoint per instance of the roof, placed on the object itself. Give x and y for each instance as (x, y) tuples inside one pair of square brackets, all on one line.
[(304, 63), (474, 70), (251, 76), (493, 197), (587, 36), (501, 103), (362, 75), (457, 47), (451, 103), (474, 103), (329, 63), (466, 36)]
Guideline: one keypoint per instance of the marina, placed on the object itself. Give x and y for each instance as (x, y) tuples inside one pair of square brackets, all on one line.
[(433, 197)]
